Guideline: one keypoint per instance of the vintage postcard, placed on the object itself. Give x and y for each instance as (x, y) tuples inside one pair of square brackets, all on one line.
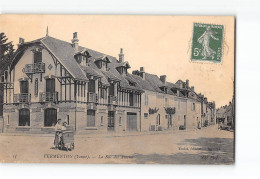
[(117, 89)]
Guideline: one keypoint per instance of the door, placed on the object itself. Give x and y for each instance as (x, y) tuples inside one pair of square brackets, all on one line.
[(37, 57), (24, 87), (91, 118), (131, 121), (24, 117), (50, 85), (111, 121)]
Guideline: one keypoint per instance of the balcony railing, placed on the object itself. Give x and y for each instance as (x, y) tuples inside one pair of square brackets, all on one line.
[(112, 100), (92, 97), (48, 97), (22, 98), (35, 68)]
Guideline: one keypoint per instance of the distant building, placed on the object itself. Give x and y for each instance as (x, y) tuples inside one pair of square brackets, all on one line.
[(167, 105), (93, 92), (226, 114)]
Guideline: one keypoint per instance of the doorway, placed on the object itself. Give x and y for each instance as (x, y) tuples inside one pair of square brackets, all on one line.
[(111, 121)]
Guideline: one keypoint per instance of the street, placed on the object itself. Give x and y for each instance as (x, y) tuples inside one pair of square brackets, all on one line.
[(205, 146)]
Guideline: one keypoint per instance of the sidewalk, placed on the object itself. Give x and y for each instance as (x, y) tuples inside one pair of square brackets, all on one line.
[(113, 134)]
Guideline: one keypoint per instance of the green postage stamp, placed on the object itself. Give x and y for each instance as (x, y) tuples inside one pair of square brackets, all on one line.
[(207, 43)]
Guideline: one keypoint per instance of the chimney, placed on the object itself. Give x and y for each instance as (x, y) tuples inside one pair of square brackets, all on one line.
[(187, 83), (75, 41), (121, 56), (206, 100), (21, 41), (142, 73), (163, 78), (192, 88)]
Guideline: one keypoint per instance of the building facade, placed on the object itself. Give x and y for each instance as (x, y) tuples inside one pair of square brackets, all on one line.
[(93, 92)]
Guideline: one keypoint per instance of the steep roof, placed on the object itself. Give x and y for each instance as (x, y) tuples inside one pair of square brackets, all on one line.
[(64, 52), (144, 83)]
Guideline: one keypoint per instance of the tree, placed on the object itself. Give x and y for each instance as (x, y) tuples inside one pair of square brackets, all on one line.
[(6, 53)]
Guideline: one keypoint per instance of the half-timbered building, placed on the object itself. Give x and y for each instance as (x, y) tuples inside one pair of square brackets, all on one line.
[(51, 79)]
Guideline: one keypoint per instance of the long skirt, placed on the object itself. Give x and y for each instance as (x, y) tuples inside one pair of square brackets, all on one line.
[(57, 138)]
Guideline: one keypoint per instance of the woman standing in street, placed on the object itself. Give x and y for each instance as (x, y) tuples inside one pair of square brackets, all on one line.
[(58, 128)]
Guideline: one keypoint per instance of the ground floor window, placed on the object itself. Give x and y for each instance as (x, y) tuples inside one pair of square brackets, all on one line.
[(158, 119), (102, 120), (91, 118), (50, 117), (120, 120), (24, 117)]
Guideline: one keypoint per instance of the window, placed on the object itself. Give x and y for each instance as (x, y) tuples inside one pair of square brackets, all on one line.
[(145, 115), (2, 78), (174, 91), (91, 86), (193, 107), (146, 100), (122, 70), (131, 83), (79, 59), (24, 117), (166, 116), (166, 102), (158, 119), (37, 56), (68, 119), (120, 121), (8, 120), (184, 117), (91, 118), (103, 92), (111, 89), (164, 89), (102, 120), (50, 117), (36, 87), (5, 75), (102, 65), (131, 99)]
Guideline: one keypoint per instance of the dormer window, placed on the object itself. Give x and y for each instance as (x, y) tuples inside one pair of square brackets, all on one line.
[(174, 91), (82, 57), (102, 65), (132, 83), (164, 89), (102, 62), (122, 68)]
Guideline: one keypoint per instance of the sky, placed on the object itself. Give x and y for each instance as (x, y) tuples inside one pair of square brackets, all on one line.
[(160, 44)]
